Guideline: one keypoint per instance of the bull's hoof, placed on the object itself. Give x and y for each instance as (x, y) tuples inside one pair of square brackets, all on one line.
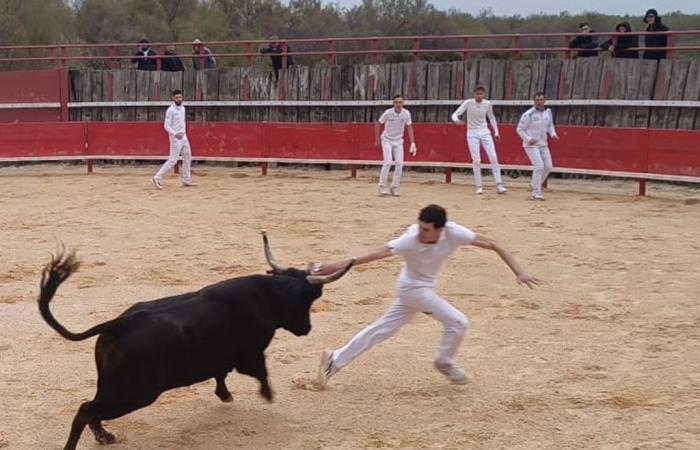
[(228, 399), (105, 438)]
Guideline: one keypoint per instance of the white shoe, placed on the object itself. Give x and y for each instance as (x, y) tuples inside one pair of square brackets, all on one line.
[(156, 183), (479, 191), (453, 373), (538, 197), (325, 369), (501, 189), (188, 184), (382, 191), (395, 191)]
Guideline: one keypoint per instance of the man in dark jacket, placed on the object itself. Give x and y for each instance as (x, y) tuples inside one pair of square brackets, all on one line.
[(584, 43), (624, 43), (653, 21), (275, 50), (172, 64), (145, 58)]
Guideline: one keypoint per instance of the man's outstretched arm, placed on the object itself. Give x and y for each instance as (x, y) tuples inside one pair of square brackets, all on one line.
[(521, 275), (327, 268)]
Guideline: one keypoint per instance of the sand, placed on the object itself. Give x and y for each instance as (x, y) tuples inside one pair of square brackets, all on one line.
[(604, 355)]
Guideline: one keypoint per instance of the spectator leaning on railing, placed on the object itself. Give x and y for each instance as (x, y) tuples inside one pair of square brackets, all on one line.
[(584, 43), (202, 57), (275, 50), (145, 58), (173, 63), (621, 49), (653, 21)]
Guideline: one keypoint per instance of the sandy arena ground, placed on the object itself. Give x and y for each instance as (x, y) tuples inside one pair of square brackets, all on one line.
[(605, 355)]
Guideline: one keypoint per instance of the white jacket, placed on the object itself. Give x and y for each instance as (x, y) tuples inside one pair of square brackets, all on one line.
[(536, 125)]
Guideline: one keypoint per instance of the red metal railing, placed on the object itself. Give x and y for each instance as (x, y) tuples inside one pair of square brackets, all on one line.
[(461, 46)]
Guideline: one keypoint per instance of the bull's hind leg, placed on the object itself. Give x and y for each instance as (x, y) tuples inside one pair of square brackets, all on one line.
[(254, 365), (102, 436), (221, 390), (84, 416)]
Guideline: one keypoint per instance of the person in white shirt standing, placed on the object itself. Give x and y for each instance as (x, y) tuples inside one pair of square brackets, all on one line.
[(478, 109), (424, 247), (179, 145), (534, 126), (394, 120)]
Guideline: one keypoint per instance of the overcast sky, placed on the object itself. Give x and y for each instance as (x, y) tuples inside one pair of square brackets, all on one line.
[(527, 7)]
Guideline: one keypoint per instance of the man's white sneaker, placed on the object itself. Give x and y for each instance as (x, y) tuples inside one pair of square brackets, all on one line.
[(156, 183), (537, 197), (325, 369), (395, 192), (479, 191), (501, 189), (453, 373), (382, 192), (188, 184)]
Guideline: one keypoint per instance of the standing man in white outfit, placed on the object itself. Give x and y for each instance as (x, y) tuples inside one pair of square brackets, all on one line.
[(179, 145), (478, 109), (394, 119), (534, 126), (424, 247)]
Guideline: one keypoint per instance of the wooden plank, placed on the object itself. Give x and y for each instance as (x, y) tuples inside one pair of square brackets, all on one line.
[(632, 83), (315, 87), (396, 81), (484, 77), (230, 89), (566, 85), (86, 94), (552, 75), (471, 77), (432, 91), (336, 92), (647, 81), (663, 80), (304, 82), (211, 92), (686, 119), (143, 91), (189, 91), (360, 80), (409, 78), (444, 91), (421, 81), (676, 91), (518, 85), (124, 89), (382, 89), (347, 87), (107, 92), (613, 116), (591, 90), (291, 90)]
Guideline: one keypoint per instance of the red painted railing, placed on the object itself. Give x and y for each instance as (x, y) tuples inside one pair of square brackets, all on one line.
[(625, 152), (512, 45)]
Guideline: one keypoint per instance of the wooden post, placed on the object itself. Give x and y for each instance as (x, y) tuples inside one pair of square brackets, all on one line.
[(448, 174), (353, 171), (263, 168), (516, 44), (465, 46), (89, 166), (416, 46), (374, 57), (642, 187)]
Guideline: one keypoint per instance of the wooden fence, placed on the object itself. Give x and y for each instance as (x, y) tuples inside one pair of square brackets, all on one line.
[(582, 78)]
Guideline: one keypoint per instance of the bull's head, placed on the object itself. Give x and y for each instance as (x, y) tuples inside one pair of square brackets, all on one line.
[(312, 279)]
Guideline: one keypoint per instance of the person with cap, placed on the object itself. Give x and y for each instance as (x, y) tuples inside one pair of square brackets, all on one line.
[(145, 58), (654, 25), (276, 49), (621, 48), (203, 58)]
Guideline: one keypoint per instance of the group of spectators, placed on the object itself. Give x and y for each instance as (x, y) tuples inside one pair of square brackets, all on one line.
[(621, 46), (202, 57)]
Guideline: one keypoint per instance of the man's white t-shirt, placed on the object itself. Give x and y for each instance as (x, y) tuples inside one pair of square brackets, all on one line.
[(394, 123), (422, 262)]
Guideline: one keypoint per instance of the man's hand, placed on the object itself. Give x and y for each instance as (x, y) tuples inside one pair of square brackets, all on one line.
[(532, 141), (555, 137), (528, 280), (322, 269), (413, 150), (497, 137), (376, 143), (179, 136)]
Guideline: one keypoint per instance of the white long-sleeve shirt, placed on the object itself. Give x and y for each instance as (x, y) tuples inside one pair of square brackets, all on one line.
[(477, 112), (536, 124), (175, 120)]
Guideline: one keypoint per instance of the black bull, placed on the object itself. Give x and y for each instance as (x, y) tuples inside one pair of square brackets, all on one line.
[(177, 341)]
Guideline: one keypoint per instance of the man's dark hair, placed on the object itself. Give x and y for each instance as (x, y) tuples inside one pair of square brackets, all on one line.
[(397, 96), (539, 94), (434, 214), (144, 41), (480, 88), (584, 24), (176, 92)]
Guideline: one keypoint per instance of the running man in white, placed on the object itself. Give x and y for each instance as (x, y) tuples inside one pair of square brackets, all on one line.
[(534, 126), (478, 109), (394, 119), (179, 145), (424, 247)]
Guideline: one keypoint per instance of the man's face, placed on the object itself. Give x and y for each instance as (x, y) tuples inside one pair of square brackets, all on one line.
[(650, 19), (177, 99), (398, 104), (479, 95), (427, 233), (585, 29), (170, 49), (539, 102), (621, 29)]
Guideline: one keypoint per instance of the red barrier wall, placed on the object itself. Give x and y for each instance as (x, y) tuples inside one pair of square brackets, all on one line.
[(623, 150), (31, 86)]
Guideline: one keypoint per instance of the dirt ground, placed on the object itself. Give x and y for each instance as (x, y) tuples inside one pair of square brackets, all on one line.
[(604, 355)]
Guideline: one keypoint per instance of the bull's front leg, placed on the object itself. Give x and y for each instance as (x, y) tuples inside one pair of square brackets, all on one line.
[(221, 390), (254, 365)]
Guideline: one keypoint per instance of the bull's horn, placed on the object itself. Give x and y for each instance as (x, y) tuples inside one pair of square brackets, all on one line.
[(268, 254), (316, 279)]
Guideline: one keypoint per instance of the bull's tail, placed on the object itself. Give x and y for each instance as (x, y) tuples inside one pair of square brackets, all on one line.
[(57, 271)]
